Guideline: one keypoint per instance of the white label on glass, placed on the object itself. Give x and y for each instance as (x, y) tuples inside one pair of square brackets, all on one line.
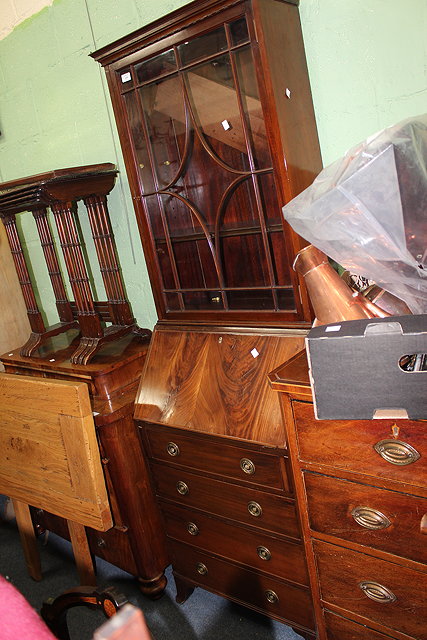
[(226, 125), (254, 353), (126, 76)]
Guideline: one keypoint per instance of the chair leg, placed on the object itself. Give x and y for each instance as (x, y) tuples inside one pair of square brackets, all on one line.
[(28, 538), (82, 554)]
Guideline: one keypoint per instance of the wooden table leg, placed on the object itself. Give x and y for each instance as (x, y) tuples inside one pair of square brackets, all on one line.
[(82, 554), (28, 538)]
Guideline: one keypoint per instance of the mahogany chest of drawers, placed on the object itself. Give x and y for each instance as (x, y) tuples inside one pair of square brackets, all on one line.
[(362, 490), (223, 484)]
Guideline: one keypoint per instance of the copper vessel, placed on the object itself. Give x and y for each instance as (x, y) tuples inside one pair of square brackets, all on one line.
[(386, 300), (331, 298)]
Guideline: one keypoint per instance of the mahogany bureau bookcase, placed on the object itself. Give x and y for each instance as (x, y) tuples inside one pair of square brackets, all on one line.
[(362, 491), (215, 117)]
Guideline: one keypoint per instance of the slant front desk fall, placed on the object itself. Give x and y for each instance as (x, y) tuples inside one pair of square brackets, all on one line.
[(216, 122)]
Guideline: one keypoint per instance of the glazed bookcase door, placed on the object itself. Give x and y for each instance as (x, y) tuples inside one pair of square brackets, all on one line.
[(207, 189)]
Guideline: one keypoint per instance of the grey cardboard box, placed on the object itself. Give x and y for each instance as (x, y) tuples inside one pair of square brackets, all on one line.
[(355, 372)]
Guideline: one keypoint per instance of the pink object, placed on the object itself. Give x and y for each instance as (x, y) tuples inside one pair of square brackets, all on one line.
[(19, 621)]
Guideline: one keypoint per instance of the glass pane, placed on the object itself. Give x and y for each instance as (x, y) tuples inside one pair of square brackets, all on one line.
[(165, 265), (157, 66), (193, 266), (241, 212), (280, 260), (206, 45), (155, 216), (203, 300), (243, 260), (164, 110), (208, 265), (243, 255), (214, 103), (270, 203), (250, 299), (181, 222), (239, 31), (252, 108), (139, 142), (172, 302), (286, 299)]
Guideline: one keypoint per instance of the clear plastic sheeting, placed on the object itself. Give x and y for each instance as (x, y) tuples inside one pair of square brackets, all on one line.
[(368, 211)]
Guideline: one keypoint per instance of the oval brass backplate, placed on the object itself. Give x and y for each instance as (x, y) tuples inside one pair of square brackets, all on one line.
[(377, 592), (397, 452), (370, 518)]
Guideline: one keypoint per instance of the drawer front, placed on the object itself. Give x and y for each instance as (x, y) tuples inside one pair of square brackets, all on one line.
[(255, 508), (112, 545), (256, 550), (382, 591), (218, 458), (378, 518), (401, 445), (341, 629), (290, 604)]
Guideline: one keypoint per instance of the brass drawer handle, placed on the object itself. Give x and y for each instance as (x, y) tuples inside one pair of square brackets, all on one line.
[(247, 466), (182, 488), (271, 596), (263, 553), (173, 449), (255, 509), (397, 452), (377, 592), (201, 568), (370, 518), (192, 529)]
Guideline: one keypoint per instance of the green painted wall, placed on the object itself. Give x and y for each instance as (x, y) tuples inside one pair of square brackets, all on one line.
[(367, 61)]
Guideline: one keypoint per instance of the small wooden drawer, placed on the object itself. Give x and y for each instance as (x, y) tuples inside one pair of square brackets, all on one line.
[(112, 545), (378, 518), (288, 603), (215, 457), (390, 449), (342, 629), (248, 506), (381, 591), (274, 556)]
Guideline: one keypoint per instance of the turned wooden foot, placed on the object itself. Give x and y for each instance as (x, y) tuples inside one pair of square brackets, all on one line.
[(183, 589), (54, 611), (153, 589)]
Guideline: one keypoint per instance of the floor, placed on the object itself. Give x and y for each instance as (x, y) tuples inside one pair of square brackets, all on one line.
[(204, 616)]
